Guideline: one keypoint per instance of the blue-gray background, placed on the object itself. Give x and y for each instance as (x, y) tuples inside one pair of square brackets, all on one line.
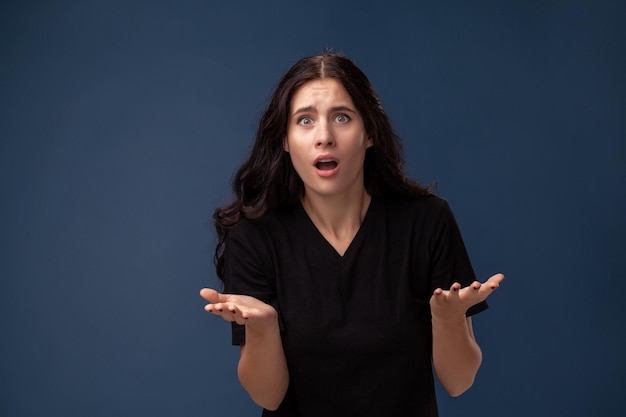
[(121, 123)]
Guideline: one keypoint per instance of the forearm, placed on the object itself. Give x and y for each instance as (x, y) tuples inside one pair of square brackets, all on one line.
[(263, 368), (456, 355)]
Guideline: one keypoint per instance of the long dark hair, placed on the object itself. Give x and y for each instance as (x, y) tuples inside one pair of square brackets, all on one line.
[(268, 181)]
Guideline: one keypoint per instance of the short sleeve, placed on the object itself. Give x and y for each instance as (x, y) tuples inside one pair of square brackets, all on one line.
[(450, 261), (248, 268)]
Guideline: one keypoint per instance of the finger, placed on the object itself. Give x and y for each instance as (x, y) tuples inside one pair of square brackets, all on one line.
[(437, 297), (217, 308), (238, 315), (471, 290), (226, 311), (455, 289), (213, 296), (490, 286), (231, 312), (214, 308), (495, 280)]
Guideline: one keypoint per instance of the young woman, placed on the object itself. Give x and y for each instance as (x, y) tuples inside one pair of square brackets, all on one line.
[(346, 282)]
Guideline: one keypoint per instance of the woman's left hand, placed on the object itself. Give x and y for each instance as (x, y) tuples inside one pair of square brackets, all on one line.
[(452, 304)]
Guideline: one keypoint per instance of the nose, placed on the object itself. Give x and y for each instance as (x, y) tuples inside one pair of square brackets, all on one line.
[(324, 137), (324, 143)]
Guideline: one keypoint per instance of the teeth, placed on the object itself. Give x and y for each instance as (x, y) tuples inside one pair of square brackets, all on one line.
[(325, 160)]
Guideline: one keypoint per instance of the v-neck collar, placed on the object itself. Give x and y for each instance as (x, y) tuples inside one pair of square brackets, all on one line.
[(358, 237)]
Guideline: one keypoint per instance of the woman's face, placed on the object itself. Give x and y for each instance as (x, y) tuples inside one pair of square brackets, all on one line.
[(326, 139)]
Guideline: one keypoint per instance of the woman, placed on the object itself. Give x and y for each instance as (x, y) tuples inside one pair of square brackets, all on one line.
[(346, 282)]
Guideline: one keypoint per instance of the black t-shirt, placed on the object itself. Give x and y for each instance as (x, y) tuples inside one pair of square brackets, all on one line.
[(356, 329)]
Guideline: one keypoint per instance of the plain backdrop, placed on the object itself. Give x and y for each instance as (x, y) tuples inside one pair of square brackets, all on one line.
[(121, 125)]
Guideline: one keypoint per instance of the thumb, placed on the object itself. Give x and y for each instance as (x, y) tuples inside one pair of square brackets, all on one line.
[(213, 296)]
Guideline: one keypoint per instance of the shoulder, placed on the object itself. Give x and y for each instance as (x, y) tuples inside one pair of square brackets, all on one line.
[(263, 228), (427, 217), (248, 232), (247, 249)]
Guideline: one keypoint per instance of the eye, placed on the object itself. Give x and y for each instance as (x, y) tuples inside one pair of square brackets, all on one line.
[(305, 121), (342, 118)]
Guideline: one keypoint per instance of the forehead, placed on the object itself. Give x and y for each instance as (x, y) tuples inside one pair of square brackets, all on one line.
[(319, 92)]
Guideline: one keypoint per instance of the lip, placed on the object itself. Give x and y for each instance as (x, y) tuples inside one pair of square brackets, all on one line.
[(327, 172), (326, 157)]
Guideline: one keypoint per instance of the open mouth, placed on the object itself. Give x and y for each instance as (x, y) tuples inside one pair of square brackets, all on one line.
[(326, 164)]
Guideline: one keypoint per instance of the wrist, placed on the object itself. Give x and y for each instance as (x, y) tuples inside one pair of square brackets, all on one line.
[(261, 330), (449, 321)]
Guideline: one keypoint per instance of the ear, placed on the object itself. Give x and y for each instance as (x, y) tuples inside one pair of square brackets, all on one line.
[(285, 145), (370, 142)]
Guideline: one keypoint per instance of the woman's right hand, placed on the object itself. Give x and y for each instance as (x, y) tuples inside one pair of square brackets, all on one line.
[(262, 366), (242, 309)]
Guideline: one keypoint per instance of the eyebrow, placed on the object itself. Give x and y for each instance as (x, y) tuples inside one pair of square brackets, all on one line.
[(312, 109)]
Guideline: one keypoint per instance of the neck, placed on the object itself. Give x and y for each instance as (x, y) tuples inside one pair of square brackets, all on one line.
[(337, 217)]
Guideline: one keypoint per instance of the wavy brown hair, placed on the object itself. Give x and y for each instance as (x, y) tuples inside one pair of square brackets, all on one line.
[(267, 180)]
